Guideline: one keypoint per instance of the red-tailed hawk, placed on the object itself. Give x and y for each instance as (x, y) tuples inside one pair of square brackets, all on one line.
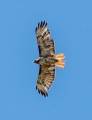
[(47, 59)]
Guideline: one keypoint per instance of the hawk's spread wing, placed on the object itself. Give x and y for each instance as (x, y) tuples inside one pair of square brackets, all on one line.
[(45, 44), (45, 79)]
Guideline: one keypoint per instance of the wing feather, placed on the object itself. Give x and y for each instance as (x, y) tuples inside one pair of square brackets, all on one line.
[(45, 44), (45, 79)]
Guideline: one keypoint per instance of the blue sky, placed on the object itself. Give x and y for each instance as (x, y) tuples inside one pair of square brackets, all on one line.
[(70, 23)]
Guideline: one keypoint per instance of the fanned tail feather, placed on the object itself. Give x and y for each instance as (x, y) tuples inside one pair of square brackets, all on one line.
[(60, 62)]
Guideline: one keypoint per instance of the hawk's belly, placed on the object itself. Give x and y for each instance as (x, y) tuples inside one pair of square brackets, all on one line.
[(47, 61)]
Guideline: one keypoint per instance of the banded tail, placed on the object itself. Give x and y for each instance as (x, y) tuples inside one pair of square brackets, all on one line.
[(60, 62)]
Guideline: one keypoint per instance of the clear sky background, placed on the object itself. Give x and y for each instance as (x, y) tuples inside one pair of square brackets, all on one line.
[(70, 23)]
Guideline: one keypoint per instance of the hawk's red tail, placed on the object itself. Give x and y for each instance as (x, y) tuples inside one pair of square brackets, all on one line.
[(60, 62)]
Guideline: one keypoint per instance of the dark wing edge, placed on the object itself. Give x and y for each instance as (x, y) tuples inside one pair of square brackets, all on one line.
[(45, 79), (45, 44)]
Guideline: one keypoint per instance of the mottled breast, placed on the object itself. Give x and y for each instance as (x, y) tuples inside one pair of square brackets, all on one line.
[(47, 60)]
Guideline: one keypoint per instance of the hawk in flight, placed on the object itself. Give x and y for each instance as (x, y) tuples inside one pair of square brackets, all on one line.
[(47, 59)]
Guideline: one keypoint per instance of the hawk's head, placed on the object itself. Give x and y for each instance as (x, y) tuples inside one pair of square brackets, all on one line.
[(36, 61)]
